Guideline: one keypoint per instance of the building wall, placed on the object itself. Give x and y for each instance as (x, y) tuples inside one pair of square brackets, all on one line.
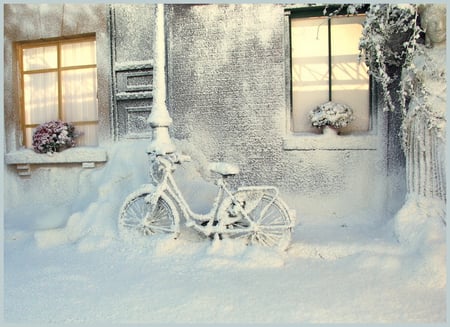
[(132, 54), (227, 95), (24, 22), (47, 184)]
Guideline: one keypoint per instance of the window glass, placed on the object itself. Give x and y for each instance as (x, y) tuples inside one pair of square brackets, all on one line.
[(309, 68), (78, 54), (40, 58), (40, 97), (89, 134), (60, 82), (350, 81), (325, 67), (79, 94)]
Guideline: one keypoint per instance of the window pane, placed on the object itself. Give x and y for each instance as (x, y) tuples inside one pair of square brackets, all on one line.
[(29, 136), (79, 94), (89, 135), (350, 81), (76, 54), (40, 97), (309, 69), (40, 58)]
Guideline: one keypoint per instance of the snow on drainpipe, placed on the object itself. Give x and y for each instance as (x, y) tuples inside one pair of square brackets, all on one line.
[(159, 119)]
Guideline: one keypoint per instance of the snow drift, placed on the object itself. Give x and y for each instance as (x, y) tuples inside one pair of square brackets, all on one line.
[(336, 270)]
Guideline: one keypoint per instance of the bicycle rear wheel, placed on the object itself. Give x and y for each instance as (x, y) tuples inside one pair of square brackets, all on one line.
[(138, 218), (271, 224)]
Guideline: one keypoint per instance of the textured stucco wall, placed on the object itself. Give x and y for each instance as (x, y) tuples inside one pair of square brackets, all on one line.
[(226, 83), (133, 32), (226, 77), (226, 69)]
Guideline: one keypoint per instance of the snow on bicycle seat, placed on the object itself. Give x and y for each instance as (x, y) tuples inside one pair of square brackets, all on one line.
[(224, 168)]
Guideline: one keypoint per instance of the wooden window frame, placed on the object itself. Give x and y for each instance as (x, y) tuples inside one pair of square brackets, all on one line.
[(58, 42)]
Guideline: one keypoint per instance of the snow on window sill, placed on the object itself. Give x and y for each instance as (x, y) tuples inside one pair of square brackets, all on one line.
[(87, 156), (306, 142)]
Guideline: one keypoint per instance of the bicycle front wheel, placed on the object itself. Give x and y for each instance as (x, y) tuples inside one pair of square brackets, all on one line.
[(138, 218), (267, 224)]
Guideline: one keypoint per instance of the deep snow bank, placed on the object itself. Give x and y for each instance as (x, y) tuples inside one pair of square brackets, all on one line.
[(91, 218), (420, 227), (338, 269)]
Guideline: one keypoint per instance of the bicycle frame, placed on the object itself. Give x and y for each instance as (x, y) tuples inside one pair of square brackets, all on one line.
[(254, 213), (168, 185)]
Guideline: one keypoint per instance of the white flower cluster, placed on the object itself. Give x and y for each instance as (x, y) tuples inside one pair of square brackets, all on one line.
[(331, 114)]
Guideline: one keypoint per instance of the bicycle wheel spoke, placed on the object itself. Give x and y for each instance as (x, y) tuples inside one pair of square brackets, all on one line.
[(162, 228), (270, 224), (137, 216), (266, 239)]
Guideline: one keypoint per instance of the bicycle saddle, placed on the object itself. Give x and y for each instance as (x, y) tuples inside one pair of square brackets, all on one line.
[(223, 168)]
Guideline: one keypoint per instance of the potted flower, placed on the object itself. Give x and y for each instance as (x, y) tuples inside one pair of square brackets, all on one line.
[(331, 116), (54, 136)]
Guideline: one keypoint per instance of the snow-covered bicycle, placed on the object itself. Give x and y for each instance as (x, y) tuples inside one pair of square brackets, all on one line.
[(255, 213)]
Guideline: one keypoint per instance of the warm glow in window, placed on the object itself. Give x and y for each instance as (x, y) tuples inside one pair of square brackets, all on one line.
[(59, 81), (325, 67)]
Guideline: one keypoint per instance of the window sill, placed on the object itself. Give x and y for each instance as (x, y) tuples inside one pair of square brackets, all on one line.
[(86, 156), (308, 142)]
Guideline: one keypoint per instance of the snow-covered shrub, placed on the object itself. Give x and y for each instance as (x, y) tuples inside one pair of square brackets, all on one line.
[(388, 42), (54, 136), (332, 114)]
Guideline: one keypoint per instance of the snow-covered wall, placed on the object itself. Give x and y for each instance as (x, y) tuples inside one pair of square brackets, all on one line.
[(227, 95)]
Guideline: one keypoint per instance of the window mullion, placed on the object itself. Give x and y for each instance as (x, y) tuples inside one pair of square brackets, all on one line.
[(329, 61), (60, 105)]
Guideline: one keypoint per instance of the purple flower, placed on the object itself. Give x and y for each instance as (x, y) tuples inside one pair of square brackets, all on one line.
[(53, 136)]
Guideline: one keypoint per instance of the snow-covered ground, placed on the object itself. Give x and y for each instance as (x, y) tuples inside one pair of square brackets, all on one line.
[(347, 270)]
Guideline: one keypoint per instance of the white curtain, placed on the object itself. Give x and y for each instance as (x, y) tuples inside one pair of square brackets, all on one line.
[(41, 97), (40, 58), (78, 54), (40, 100)]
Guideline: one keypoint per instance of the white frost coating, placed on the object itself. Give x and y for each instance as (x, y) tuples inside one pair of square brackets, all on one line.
[(350, 257), (421, 221), (224, 168), (77, 154), (333, 114), (221, 18), (159, 119), (420, 227), (425, 123)]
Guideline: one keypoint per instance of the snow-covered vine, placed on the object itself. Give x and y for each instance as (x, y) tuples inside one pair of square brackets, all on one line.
[(389, 40)]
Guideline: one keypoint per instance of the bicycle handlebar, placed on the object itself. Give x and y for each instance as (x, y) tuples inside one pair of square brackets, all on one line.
[(173, 158)]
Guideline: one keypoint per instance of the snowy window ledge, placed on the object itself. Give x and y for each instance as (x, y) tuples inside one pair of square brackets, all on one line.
[(86, 156), (306, 142)]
